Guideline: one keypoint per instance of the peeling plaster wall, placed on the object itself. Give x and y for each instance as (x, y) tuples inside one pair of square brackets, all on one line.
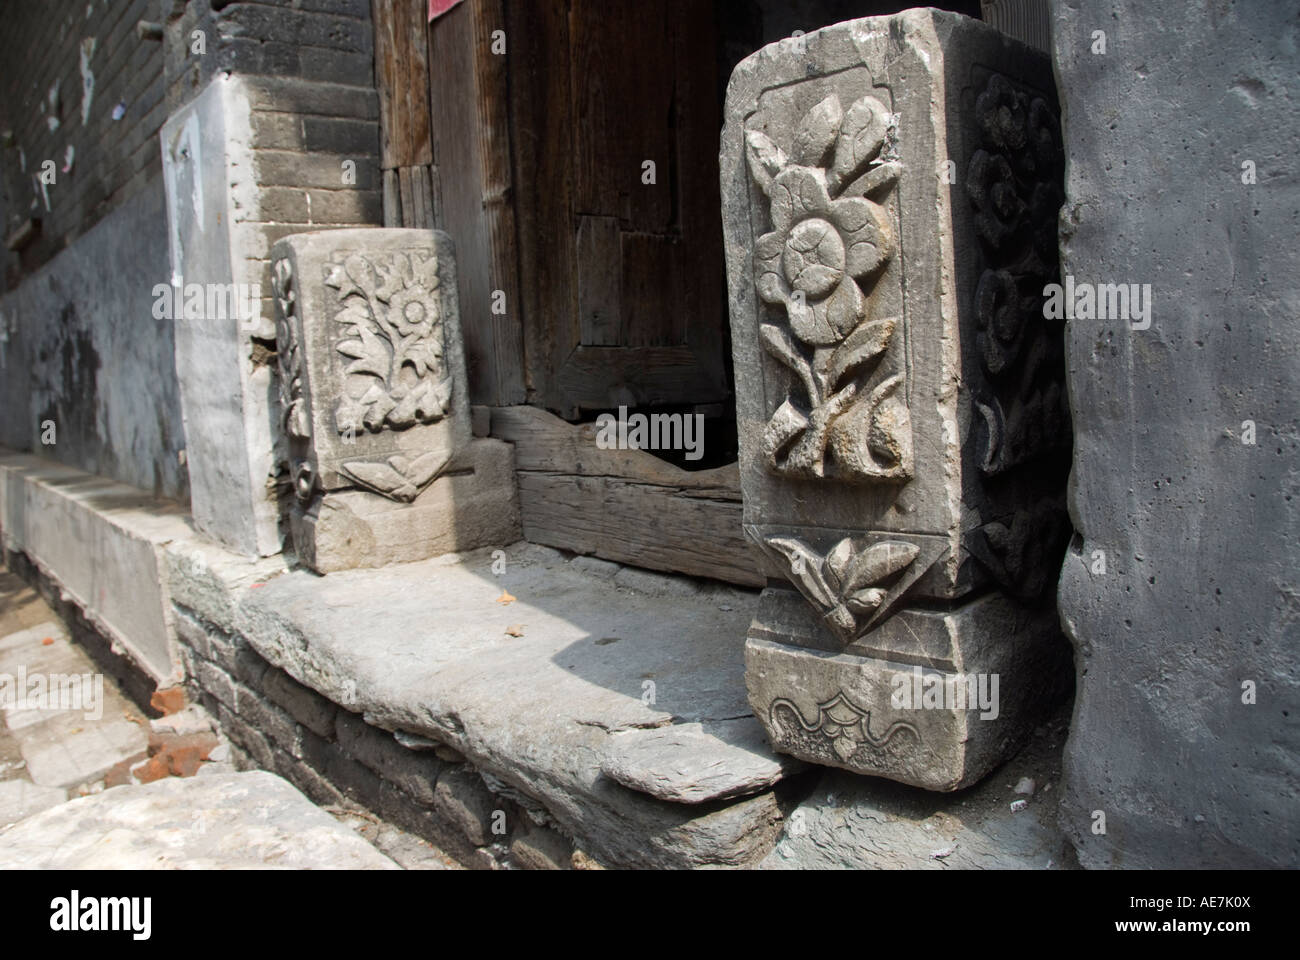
[(80, 348)]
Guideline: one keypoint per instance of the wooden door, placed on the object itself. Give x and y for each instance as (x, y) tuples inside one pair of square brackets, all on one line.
[(615, 132)]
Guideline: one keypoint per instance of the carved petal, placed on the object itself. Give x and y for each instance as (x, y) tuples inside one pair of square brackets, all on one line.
[(766, 159), (378, 476), (861, 137), (798, 193), (864, 344), (805, 569), (837, 563), (770, 279), (868, 239), (425, 467), (878, 561), (844, 310), (817, 132)]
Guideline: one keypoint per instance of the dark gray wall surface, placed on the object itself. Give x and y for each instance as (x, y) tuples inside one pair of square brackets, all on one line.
[(1199, 530), (79, 345)]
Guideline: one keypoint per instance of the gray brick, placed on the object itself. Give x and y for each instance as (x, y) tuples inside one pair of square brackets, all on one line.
[(305, 705)]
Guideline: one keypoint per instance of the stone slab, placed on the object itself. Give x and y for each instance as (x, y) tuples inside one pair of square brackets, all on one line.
[(695, 762), (424, 648), (20, 799), (235, 821), (102, 542)]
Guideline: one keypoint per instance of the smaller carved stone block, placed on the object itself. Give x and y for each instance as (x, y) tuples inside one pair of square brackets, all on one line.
[(374, 400)]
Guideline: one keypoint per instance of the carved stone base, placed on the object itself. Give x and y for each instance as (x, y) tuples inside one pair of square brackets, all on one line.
[(934, 699), (474, 503)]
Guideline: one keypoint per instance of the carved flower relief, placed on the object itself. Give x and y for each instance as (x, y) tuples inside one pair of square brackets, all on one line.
[(847, 585), (816, 247), (392, 337), (1025, 555), (293, 405), (1013, 183), (822, 246)]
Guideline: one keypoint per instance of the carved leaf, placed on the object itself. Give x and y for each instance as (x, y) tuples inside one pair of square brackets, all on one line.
[(786, 424), (866, 343), (370, 353), (866, 601), (425, 355), (805, 568), (361, 273), (889, 436), (817, 132), (424, 270), (425, 467), (878, 561), (861, 137), (380, 476), (766, 159)]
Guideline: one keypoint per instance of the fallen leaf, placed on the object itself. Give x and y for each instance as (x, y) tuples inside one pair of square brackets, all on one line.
[(515, 630), (47, 641), (505, 598)]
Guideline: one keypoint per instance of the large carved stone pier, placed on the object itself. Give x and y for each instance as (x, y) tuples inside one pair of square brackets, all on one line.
[(890, 190)]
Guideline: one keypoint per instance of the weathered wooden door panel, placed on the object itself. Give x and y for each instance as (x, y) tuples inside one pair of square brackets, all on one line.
[(470, 132), (615, 127)]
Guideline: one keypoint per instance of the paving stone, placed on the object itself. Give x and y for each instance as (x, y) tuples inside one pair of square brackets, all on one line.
[(694, 762), (20, 799), (252, 820)]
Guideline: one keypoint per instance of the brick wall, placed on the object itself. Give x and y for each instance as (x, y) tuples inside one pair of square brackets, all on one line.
[(40, 45)]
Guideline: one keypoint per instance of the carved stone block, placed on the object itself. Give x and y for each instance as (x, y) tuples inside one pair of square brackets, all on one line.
[(890, 190), (374, 403)]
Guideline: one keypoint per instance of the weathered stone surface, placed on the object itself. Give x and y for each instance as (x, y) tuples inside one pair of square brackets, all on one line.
[(856, 823), (20, 799), (375, 403), (87, 368), (538, 711), (939, 722), (890, 188), (473, 504), (225, 393), (236, 821), (693, 762), (1180, 593), (102, 542)]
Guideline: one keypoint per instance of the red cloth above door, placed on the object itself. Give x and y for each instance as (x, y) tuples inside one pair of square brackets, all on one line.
[(438, 7)]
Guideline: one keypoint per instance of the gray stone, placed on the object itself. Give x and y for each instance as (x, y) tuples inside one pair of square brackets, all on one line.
[(538, 848), (238, 821), (538, 711), (461, 798), (103, 543), (375, 403), (20, 799), (654, 584), (212, 194), (1180, 591), (596, 567), (475, 504), (890, 188), (693, 762)]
